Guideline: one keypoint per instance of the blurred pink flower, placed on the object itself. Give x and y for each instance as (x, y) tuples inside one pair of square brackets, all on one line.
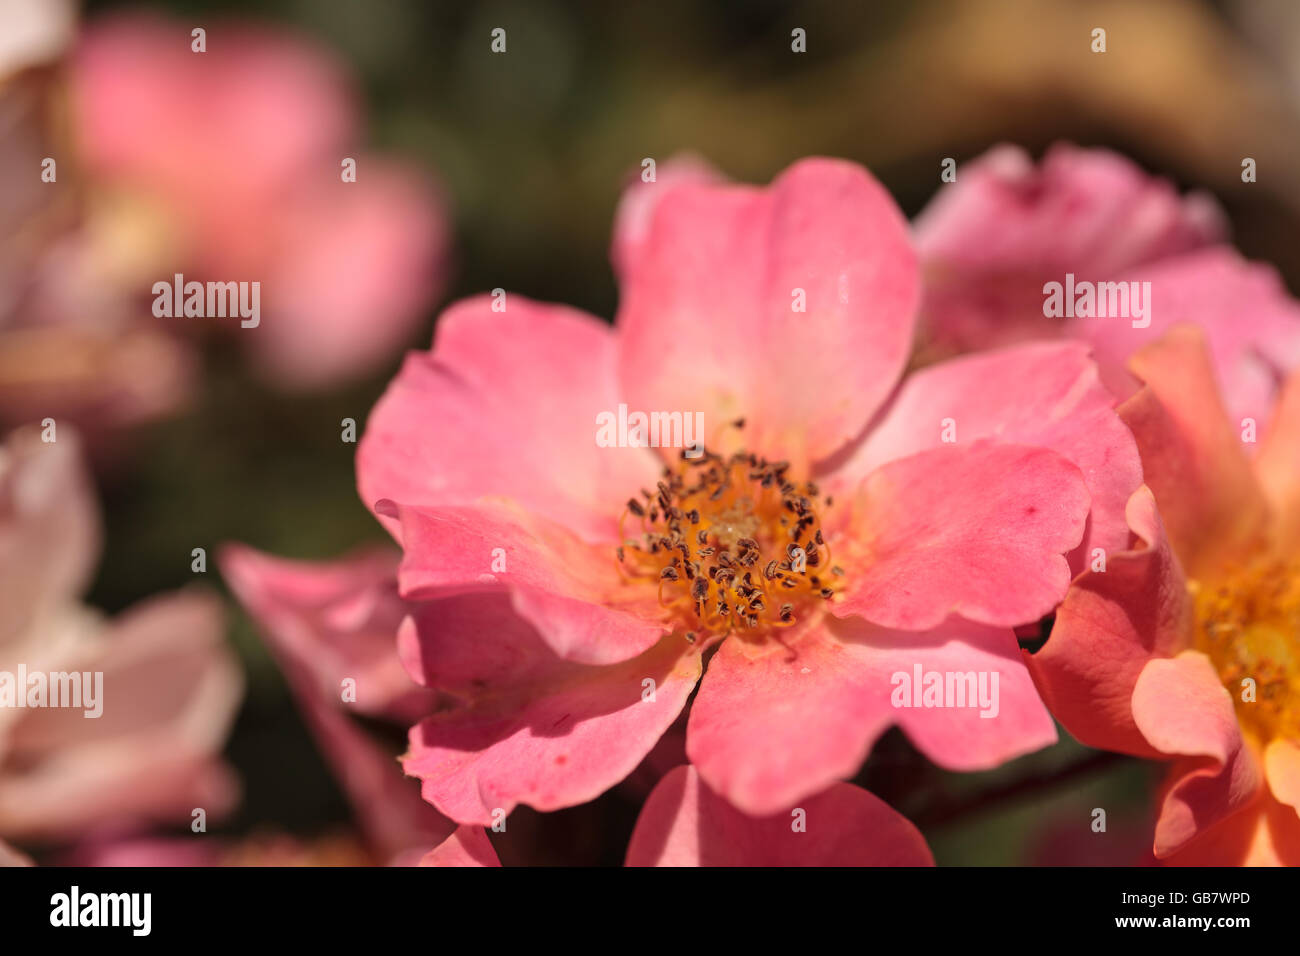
[(223, 166), (259, 849), (227, 165), (35, 32), (565, 647), (107, 851), (69, 344), (990, 241), (170, 687), (333, 627)]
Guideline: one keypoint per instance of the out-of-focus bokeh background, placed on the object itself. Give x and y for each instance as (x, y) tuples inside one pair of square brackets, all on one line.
[(531, 150)]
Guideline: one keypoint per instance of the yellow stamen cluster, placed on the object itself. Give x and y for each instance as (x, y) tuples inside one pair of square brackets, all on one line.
[(733, 544), (1248, 623)]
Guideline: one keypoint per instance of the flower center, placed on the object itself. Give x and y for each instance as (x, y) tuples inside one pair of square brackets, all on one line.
[(1248, 624), (733, 544)]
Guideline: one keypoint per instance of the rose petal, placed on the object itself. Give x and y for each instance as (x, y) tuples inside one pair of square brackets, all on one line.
[(978, 530), (1278, 465), (327, 623), (389, 808), (1047, 395), (1109, 626), (1251, 326), (468, 846), (49, 529), (1282, 770), (569, 590), (1182, 709), (772, 725), (1266, 833), (170, 692), (639, 200), (683, 823), (990, 240), (333, 621), (707, 319), (531, 728), (506, 405), (1209, 500)]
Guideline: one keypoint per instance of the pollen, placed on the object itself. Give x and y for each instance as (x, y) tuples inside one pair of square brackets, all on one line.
[(1248, 623), (733, 544)]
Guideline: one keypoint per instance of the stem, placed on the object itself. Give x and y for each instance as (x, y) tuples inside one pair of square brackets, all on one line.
[(1017, 790)]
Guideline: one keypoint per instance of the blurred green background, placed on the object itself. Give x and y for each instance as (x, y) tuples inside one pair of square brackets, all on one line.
[(532, 149)]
